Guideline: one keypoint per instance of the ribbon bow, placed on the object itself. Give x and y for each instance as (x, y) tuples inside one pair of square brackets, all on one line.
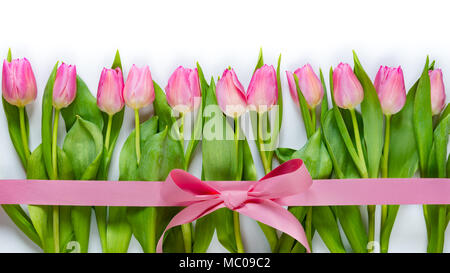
[(256, 199)]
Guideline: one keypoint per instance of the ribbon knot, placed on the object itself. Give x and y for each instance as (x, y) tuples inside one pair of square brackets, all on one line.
[(234, 199), (256, 199)]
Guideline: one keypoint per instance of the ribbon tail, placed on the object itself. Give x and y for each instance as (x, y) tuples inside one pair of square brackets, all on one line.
[(274, 215), (190, 214)]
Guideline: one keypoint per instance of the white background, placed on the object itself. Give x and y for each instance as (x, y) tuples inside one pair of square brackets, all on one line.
[(165, 34)]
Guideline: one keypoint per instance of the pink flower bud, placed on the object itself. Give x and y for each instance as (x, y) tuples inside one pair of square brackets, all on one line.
[(390, 86), (310, 86), (110, 91), (183, 89), (262, 92), (230, 94), (65, 86), (437, 91), (139, 91), (348, 91), (18, 84)]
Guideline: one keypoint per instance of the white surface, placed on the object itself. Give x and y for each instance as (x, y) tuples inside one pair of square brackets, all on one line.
[(165, 34)]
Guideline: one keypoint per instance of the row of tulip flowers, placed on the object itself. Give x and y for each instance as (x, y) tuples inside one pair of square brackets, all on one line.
[(393, 135)]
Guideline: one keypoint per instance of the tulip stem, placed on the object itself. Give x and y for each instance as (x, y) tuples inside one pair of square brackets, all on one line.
[(370, 208), (138, 135), (236, 221), (313, 120), (384, 164), (108, 131), (55, 176), (23, 132), (358, 141), (262, 153), (186, 229), (181, 130), (308, 226)]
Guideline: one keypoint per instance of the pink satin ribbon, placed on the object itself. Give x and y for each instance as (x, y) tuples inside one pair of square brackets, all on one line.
[(288, 185)]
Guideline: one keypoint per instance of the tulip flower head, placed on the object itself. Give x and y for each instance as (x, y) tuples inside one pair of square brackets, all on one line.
[(390, 86), (65, 86), (262, 92), (183, 89), (310, 86), (437, 91), (110, 91), (139, 91), (18, 82), (231, 95), (348, 91)]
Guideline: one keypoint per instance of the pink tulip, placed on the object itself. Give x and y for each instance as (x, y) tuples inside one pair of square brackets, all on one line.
[(18, 84), (437, 91), (390, 86), (183, 89), (310, 86), (348, 91), (230, 94), (110, 91), (138, 91), (262, 92), (65, 86)]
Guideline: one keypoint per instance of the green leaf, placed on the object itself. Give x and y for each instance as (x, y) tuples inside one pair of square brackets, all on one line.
[(13, 119), (81, 221), (84, 147), (47, 122), (309, 127), (203, 234), (219, 163), (223, 220), (315, 156), (422, 117), (440, 142), (41, 216), (143, 223), (372, 120), (324, 106), (349, 216), (118, 234), (218, 147), (328, 229), (84, 105), (354, 229), (128, 168), (23, 222), (163, 111), (284, 154), (342, 162), (403, 156), (173, 239), (279, 114), (260, 61), (161, 154), (119, 231)]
